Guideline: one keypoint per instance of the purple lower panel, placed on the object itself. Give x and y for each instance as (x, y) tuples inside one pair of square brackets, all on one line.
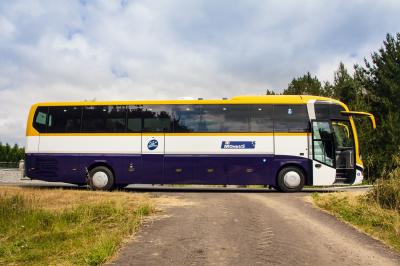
[(55, 167), (250, 170), (169, 169), (72, 168), (179, 169), (216, 169), (210, 169), (152, 171)]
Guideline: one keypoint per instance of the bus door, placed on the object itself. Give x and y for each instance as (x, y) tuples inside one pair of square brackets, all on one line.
[(153, 158), (344, 152), (323, 152)]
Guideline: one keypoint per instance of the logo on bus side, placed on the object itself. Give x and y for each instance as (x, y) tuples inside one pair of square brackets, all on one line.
[(238, 145), (152, 145)]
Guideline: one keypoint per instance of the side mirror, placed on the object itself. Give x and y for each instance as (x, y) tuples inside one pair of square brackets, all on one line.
[(369, 115)]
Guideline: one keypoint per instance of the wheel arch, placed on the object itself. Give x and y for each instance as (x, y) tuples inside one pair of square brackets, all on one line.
[(96, 164), (297, 165)]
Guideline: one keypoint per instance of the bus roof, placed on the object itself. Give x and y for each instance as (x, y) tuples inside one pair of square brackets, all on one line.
[(278, 99)]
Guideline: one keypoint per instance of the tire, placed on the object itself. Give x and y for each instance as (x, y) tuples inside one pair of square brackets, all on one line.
[(276, 188), (80, 184), (290, 179), (101, 178)]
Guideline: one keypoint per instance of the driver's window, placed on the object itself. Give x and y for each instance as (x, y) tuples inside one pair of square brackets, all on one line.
[(323, 143)]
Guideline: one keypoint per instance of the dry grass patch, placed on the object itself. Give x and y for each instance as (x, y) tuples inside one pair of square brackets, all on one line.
[(368, 216), (67, 227)]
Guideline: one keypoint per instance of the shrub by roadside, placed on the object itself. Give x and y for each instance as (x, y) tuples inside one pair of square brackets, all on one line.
[(364, 213), (386, 193), (42, 227)]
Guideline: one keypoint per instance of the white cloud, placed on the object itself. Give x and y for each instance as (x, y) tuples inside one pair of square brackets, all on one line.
[(70, 50), (6, 28)]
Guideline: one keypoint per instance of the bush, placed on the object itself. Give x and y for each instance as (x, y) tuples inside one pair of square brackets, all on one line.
[(386, 193)]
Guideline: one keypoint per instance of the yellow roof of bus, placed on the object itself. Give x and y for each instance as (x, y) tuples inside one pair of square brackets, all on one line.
[(278, 99)]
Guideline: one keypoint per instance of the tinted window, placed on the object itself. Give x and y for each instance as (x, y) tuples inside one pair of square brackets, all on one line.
[(322, 111), (236, 118), (336, 110), (157, 118), (211, 118), (64, 119), (134, 118), (329, 111), (261, 118), (291, 118), (40, 118), (104, 119), (187, 118), (223, 118)]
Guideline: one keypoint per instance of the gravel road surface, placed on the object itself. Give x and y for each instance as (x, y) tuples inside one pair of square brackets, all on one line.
[(266, 228)]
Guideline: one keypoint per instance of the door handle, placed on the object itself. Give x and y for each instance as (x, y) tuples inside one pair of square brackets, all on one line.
[(318, 165)]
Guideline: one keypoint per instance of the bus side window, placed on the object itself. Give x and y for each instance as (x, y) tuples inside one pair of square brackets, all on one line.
[(236, 117), (186, 118), (134, 115), (211, 118), (261, 118), (115, 117), (291, 118), (224, 118), (64, 119), (40, 118), (157, 118), (104, 119)]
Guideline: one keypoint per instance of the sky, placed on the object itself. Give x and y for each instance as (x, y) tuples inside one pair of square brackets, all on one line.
[(121, 50)]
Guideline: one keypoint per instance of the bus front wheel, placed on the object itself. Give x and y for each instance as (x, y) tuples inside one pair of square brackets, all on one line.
[(291, 179), (101, 178)]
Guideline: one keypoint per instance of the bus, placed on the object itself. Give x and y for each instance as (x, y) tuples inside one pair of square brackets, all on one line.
[(280, 141)]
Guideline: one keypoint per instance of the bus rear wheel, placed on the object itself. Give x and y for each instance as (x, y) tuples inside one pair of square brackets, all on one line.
[(101, 178), (291, 179)]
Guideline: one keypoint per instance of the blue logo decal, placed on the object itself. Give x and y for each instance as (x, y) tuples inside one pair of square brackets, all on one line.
[(152, 145), (238, 145)]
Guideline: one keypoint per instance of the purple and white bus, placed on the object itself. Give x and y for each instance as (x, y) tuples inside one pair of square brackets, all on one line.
[(282, 141)]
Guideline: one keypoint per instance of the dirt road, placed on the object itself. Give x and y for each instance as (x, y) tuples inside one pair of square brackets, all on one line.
[(250, 229)]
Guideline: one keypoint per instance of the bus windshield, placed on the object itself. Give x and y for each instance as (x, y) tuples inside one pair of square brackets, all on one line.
[(343, 136)]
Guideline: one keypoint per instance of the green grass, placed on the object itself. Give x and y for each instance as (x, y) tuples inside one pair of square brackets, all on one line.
[(366, 215), (386, 193), (42, 227)]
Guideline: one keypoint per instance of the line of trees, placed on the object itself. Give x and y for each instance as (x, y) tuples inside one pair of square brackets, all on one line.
[(11, 154), (373, 87)]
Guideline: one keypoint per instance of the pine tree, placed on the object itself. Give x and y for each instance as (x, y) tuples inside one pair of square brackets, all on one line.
[(381, 80), (1, 152), (345, 88), (270, 92), (305, 85), (8, 154), (7, 150)]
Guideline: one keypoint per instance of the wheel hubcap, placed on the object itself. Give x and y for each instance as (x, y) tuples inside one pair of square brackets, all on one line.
[(292, 179), (100, 179)]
